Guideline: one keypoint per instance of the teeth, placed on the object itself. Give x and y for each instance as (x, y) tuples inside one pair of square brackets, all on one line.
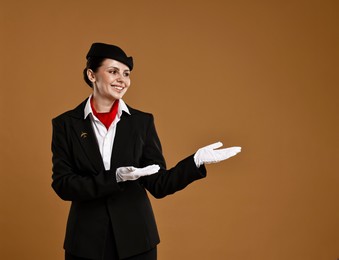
[(118, 88)]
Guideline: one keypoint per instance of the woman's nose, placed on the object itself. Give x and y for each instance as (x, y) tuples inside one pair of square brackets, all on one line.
[(120, 78)]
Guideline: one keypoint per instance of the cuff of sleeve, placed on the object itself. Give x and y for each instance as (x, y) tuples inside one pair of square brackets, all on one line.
[(111, 174), (199, 170)]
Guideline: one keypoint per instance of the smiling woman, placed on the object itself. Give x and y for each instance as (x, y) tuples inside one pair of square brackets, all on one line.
[(109, 78), (110, 82), (105, 156)]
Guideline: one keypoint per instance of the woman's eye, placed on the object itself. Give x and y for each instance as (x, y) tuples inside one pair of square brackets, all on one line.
[(113, 72), (126, 74)]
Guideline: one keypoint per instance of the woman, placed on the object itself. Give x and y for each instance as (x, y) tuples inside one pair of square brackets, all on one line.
[(105, 155)]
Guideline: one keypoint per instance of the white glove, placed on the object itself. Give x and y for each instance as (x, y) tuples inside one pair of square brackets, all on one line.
[(131, 173), (208, 154)]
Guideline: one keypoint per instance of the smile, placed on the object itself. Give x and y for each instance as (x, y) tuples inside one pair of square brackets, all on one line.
[(119, 88)]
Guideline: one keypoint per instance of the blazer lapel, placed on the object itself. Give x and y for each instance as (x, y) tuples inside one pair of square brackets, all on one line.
[(122, 137), (86, 136)]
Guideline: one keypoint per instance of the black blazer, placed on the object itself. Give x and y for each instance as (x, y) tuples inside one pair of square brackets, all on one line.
[(97, 199)]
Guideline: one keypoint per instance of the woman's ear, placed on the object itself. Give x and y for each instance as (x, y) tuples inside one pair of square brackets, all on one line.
[(91, 75)]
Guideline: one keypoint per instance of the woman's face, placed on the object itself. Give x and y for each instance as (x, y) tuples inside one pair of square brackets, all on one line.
[(111, 80)]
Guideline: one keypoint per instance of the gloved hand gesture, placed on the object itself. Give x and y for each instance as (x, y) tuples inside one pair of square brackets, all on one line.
[(131, 173), (208, 154)]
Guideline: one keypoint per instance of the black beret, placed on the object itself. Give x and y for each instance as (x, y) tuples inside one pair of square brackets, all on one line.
[(104, 50)]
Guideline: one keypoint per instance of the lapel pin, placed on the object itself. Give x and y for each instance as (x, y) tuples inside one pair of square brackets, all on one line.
[(83, 135)]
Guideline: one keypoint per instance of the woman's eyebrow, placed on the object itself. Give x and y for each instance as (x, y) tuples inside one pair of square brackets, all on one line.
[(113, 67)]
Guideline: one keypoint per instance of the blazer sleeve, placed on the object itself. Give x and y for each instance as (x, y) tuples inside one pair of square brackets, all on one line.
[(167, 182), (67, 182)]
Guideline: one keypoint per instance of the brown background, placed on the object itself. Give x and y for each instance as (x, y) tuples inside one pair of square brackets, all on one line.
[(259, 74)]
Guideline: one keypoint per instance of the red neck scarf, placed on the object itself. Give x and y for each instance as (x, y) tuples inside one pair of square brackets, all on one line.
[(107, 117)]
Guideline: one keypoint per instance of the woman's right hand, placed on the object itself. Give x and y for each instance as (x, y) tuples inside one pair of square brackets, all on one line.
[(131, 173)]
